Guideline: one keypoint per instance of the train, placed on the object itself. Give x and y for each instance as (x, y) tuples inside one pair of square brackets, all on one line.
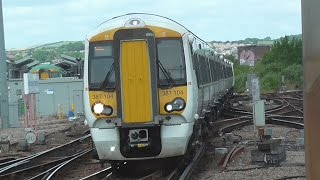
[(152, 88)]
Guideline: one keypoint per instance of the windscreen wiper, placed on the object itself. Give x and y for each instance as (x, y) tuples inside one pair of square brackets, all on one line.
[(166, 73), (106, 80)]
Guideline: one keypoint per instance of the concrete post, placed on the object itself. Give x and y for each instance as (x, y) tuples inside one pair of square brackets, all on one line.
[(3, 77), (311, 87)]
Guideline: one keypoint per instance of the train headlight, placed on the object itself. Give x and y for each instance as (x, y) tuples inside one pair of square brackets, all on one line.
[(168, 107), (177, 104), (98, 108), (107, 110)]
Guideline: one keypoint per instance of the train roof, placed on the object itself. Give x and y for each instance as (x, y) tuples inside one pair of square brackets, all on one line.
[(121, 21), (147, 19)]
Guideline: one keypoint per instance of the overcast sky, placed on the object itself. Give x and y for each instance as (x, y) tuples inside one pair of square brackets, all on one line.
[(32, 22)]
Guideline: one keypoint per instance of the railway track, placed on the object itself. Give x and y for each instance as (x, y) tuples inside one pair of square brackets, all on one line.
[(29, 167), (286, 110), (166, 169), (63, 162), (283, 112)]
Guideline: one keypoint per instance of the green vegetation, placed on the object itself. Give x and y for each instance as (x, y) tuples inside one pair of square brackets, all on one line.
[(257, 41), (284, 59), (47, 54), (18, 57)]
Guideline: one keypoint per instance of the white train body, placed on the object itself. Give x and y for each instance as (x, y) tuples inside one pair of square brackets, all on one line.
[(147, 81)]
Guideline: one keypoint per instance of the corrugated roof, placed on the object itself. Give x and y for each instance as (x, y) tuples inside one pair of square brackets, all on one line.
[(23, 61), (50, 67), (34, 63)]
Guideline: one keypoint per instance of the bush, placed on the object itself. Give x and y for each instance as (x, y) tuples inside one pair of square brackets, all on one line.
[(270, 82), (284, 59), (293, 75)]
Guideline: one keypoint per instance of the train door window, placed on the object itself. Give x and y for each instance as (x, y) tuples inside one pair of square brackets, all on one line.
[(223, 71), (171, 56), (101, 70), (191, 49), (208, 71), (220, 71), (201, 70), (212, 71), (227, 72), (204, 78), (196, 67), (216, 73)]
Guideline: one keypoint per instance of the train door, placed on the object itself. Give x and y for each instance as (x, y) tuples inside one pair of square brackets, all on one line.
[(136, 77), (135, 73)]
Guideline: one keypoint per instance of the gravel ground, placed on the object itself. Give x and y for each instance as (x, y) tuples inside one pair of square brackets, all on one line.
[(242, 168)]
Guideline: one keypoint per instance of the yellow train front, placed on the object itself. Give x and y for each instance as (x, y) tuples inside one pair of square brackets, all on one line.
[(140, 91)]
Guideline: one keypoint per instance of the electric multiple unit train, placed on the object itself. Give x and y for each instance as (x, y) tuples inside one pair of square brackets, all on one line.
[(149, 84)]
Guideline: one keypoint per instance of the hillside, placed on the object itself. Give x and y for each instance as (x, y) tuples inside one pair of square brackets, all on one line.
[(49, 52), (257, 41)]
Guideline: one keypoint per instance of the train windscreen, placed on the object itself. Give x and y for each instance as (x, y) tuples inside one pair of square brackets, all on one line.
[(101, 66), (171, 62)]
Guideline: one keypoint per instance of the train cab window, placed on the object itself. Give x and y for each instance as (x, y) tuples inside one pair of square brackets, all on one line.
[(101, 70), (171, 62)]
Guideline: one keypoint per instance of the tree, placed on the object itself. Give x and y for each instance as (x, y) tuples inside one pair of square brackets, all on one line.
[(18, 57), (267, 38), (284, 59)]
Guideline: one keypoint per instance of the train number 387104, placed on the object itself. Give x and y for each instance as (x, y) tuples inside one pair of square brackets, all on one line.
[(102, 96), (170, 92)]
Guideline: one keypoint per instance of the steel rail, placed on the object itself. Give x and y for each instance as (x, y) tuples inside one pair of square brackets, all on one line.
[(24, 161), (285, 123), (54, 172), (20, 174), (188, 170), (174, 174), (231, 127), (5, 164), (100, 174), (291, 104), (224, 121)]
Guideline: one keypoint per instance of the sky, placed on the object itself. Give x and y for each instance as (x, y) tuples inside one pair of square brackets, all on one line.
[(34, 22)]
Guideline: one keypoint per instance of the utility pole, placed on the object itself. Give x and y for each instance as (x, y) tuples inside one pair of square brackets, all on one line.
[(3, 77), (311, 95)]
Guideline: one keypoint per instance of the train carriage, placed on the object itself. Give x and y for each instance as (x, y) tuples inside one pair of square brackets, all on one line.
[(149, 82)]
